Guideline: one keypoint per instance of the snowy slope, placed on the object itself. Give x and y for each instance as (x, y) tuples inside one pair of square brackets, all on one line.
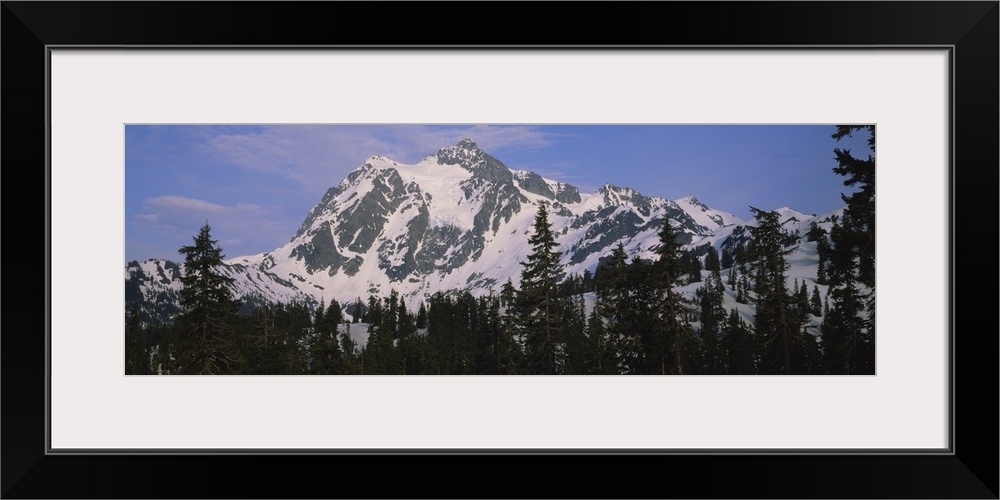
[(458, 219)]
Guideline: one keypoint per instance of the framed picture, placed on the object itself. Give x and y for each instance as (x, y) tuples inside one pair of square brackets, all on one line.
[(923, 73)]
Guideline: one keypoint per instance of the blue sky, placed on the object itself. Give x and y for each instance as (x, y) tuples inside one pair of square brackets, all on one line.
[(255, 184)]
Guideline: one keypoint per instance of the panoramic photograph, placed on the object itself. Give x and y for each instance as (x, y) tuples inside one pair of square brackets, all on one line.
[(499, 250)]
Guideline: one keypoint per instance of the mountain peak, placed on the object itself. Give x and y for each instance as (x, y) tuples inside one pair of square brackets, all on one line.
[(465, 152), (469, 156), (466, 148)]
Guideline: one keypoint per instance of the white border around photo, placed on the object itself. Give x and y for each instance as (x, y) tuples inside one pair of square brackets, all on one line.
[(903, 407)]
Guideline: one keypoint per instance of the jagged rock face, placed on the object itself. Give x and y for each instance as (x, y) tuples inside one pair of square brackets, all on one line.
[(467, 155), (567, 193), (533, 183), (353, 218), (154, 286), (458, 219)]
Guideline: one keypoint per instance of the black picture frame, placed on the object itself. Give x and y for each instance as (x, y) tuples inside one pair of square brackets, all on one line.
[(970, 28)]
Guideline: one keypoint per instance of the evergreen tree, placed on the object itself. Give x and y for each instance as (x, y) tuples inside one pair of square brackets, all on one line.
[(379, 356), (574, 325), (712, 259), (737, 347), (743, 289), (326, 354), (815, 305), (267, 348), (164, 351), (496, 344), (726, 261), (295, 320), (417, 355), (772, 323), (693, 268), (205, 329), (588, 281), (801, 298), (712, 318), (781, 316), (509, 325), (422, 316), (823, 249), (136, 351), (540, 320), (404, 321), (334, 315), (390, 315), (356, 313), (849, 327), (815, 232), (673, 332), (601, 347), (859, 216), (644, 342), (613, 307), (373, 313), (450, 328), (349, 348)]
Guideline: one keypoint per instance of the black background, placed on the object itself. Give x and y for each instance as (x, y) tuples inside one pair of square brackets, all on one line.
[(971, 472)]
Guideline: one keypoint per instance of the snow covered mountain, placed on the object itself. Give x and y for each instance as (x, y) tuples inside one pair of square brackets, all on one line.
[(458, 219)]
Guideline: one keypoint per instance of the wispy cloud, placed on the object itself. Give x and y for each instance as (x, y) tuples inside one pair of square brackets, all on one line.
[(311, 154), (181, 203), (240, 229)]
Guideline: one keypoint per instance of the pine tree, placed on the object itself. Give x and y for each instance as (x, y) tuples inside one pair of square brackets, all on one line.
[(415, 352), (509, 325), (613, 306), (495, 344), (815, 232), (737, 347), (726, 261), (352, 363), (712, 260), (136, 352), (540, 320), (849, 326), (268, 349), (379, 355), (206, 337), (334, 314), (859, 216), (801, 299), (327, 357), (163, 338), (693, 268), (373, 313), (712, 318), (815, 304), (773, 325), (356, 312), (588, 281), (673, 333), (601, 348), (422, 316), (573, 329), (645, 345)]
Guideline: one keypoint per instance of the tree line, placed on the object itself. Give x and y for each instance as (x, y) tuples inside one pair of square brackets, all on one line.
[(629, 317)]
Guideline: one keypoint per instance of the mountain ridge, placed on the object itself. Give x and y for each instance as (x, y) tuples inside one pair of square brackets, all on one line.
[(458, 219)]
